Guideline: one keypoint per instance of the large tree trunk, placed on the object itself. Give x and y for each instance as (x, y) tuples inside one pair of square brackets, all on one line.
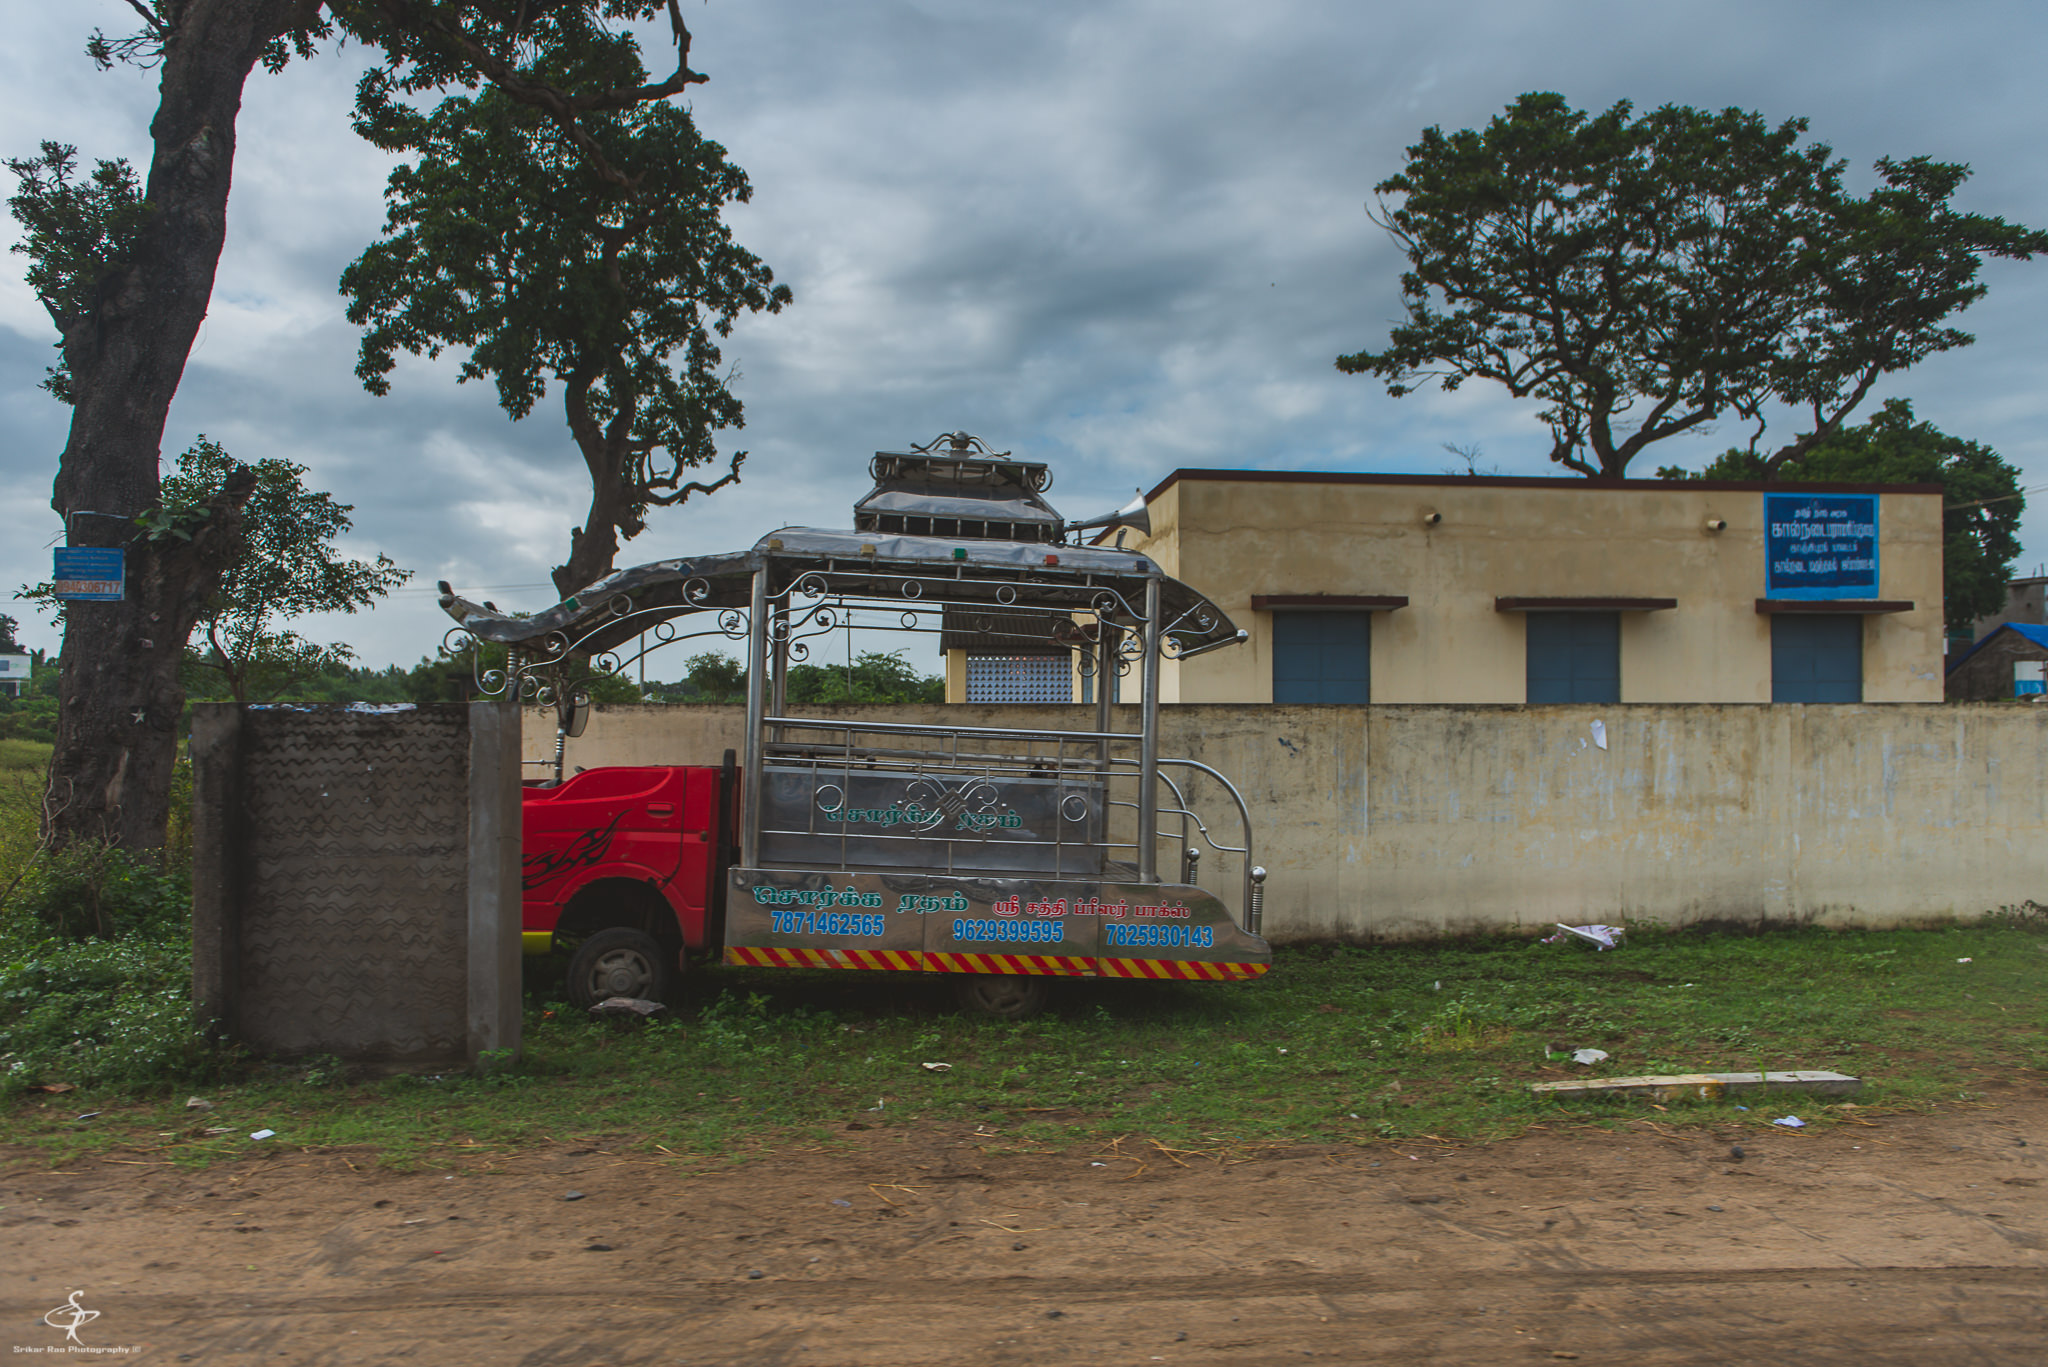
[(120, 701), (593, 547)]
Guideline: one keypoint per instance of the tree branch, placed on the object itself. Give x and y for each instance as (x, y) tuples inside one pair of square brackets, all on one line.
[(1823, 428), (157, 28), (683, 491)]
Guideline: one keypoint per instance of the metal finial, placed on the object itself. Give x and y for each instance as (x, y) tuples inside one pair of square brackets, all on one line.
[(958, 444)]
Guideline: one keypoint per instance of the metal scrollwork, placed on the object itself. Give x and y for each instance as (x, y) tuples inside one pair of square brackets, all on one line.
[(976, 799), (958, 444), (533, 672)]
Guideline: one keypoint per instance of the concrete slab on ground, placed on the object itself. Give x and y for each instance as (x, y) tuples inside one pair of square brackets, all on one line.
[(1705, 1086)]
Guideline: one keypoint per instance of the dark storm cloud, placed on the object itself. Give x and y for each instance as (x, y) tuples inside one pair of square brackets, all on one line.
[(1122, 237)]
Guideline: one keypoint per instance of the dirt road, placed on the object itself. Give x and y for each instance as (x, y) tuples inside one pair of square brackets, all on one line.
[(1917, 1240)]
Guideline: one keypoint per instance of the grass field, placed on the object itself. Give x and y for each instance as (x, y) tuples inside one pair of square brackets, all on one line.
[(27, 757), (1337, 1045)]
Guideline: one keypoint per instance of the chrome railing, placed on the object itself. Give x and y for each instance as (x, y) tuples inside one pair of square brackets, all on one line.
[(896, 796)]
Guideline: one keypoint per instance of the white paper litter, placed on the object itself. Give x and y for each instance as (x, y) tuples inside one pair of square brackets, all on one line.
[(1790, 1122), (1603, 937), (1589, 1055)]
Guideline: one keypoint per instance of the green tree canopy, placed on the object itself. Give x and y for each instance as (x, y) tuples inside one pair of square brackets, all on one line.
[(1644, 278), (712, 678), (288, 567), (598, 261), (873, 677), (1981, 496), (71, 230)]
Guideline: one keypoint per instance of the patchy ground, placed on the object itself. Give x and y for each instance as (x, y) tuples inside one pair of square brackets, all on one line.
[(1904, 1239)]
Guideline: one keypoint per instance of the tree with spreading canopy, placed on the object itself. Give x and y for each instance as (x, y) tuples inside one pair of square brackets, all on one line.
[(1644, 278), (125, 268), (285, 566), (1981, 497), (603, 266), (288, 567)]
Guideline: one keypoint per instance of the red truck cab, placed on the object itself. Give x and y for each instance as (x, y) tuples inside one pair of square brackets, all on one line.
[(620, 871)]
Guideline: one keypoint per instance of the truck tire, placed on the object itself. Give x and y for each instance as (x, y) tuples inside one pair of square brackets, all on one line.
[(618, 963), (1004, 996)]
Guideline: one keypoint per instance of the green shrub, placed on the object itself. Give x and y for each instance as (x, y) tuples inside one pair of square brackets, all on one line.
[(112, 1013), (100, 892)]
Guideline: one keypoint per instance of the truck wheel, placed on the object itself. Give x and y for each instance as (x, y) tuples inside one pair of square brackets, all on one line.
[(617, 963), (1005, 996)]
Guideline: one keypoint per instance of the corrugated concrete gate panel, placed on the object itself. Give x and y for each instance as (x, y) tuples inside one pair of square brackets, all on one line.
[(356, 879)]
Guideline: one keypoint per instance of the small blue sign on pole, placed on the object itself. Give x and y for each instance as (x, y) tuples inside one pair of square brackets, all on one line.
[(90, 574), (1820, 545)]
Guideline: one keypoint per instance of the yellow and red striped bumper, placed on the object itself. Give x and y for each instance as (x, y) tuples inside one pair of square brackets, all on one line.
[(922, 961)]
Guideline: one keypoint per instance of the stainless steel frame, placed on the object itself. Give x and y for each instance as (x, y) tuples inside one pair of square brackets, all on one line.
[(897, 800)]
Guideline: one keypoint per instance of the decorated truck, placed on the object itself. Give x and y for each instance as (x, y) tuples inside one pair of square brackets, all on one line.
[(1004, 856)]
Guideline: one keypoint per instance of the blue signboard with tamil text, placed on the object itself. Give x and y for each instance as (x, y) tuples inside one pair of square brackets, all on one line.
[(91, 574), (1820, 545)]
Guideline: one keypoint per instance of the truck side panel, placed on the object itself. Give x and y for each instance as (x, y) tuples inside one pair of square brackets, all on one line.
[(821, 919), (651, 825)]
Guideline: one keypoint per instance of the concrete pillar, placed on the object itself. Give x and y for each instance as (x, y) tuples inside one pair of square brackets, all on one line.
[(494, 881), (217, 844)]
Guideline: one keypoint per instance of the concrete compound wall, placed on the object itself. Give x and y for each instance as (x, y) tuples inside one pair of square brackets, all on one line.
[(1425, 820), (356, 880)]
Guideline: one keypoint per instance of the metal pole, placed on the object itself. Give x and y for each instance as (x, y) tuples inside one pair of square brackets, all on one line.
[(1105, 685), (1148, 744), (1106, 654), (757, 702), (561, 740), (1105, 677), (778, 643)]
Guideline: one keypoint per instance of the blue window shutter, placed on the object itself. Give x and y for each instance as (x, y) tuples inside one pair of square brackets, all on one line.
[(1816, 657), (1322, 657), (1574, 656)]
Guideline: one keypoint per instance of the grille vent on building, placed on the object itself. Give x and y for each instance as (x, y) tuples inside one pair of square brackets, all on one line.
[(1020, 678)]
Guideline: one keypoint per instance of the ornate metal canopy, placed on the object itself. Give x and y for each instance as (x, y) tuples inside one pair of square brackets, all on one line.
[(1037, 592)]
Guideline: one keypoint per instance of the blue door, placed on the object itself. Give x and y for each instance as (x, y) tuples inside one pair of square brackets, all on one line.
[(1322, 657), (1574, 656), (1816, 657)]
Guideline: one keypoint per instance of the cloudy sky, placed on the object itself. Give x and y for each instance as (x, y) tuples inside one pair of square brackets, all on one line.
[(1121, 236)]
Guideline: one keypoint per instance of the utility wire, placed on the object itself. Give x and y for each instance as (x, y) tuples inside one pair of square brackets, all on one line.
[(2002, 498)]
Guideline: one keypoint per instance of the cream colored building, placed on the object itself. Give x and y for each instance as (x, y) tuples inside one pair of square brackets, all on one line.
[(1437, 589)]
